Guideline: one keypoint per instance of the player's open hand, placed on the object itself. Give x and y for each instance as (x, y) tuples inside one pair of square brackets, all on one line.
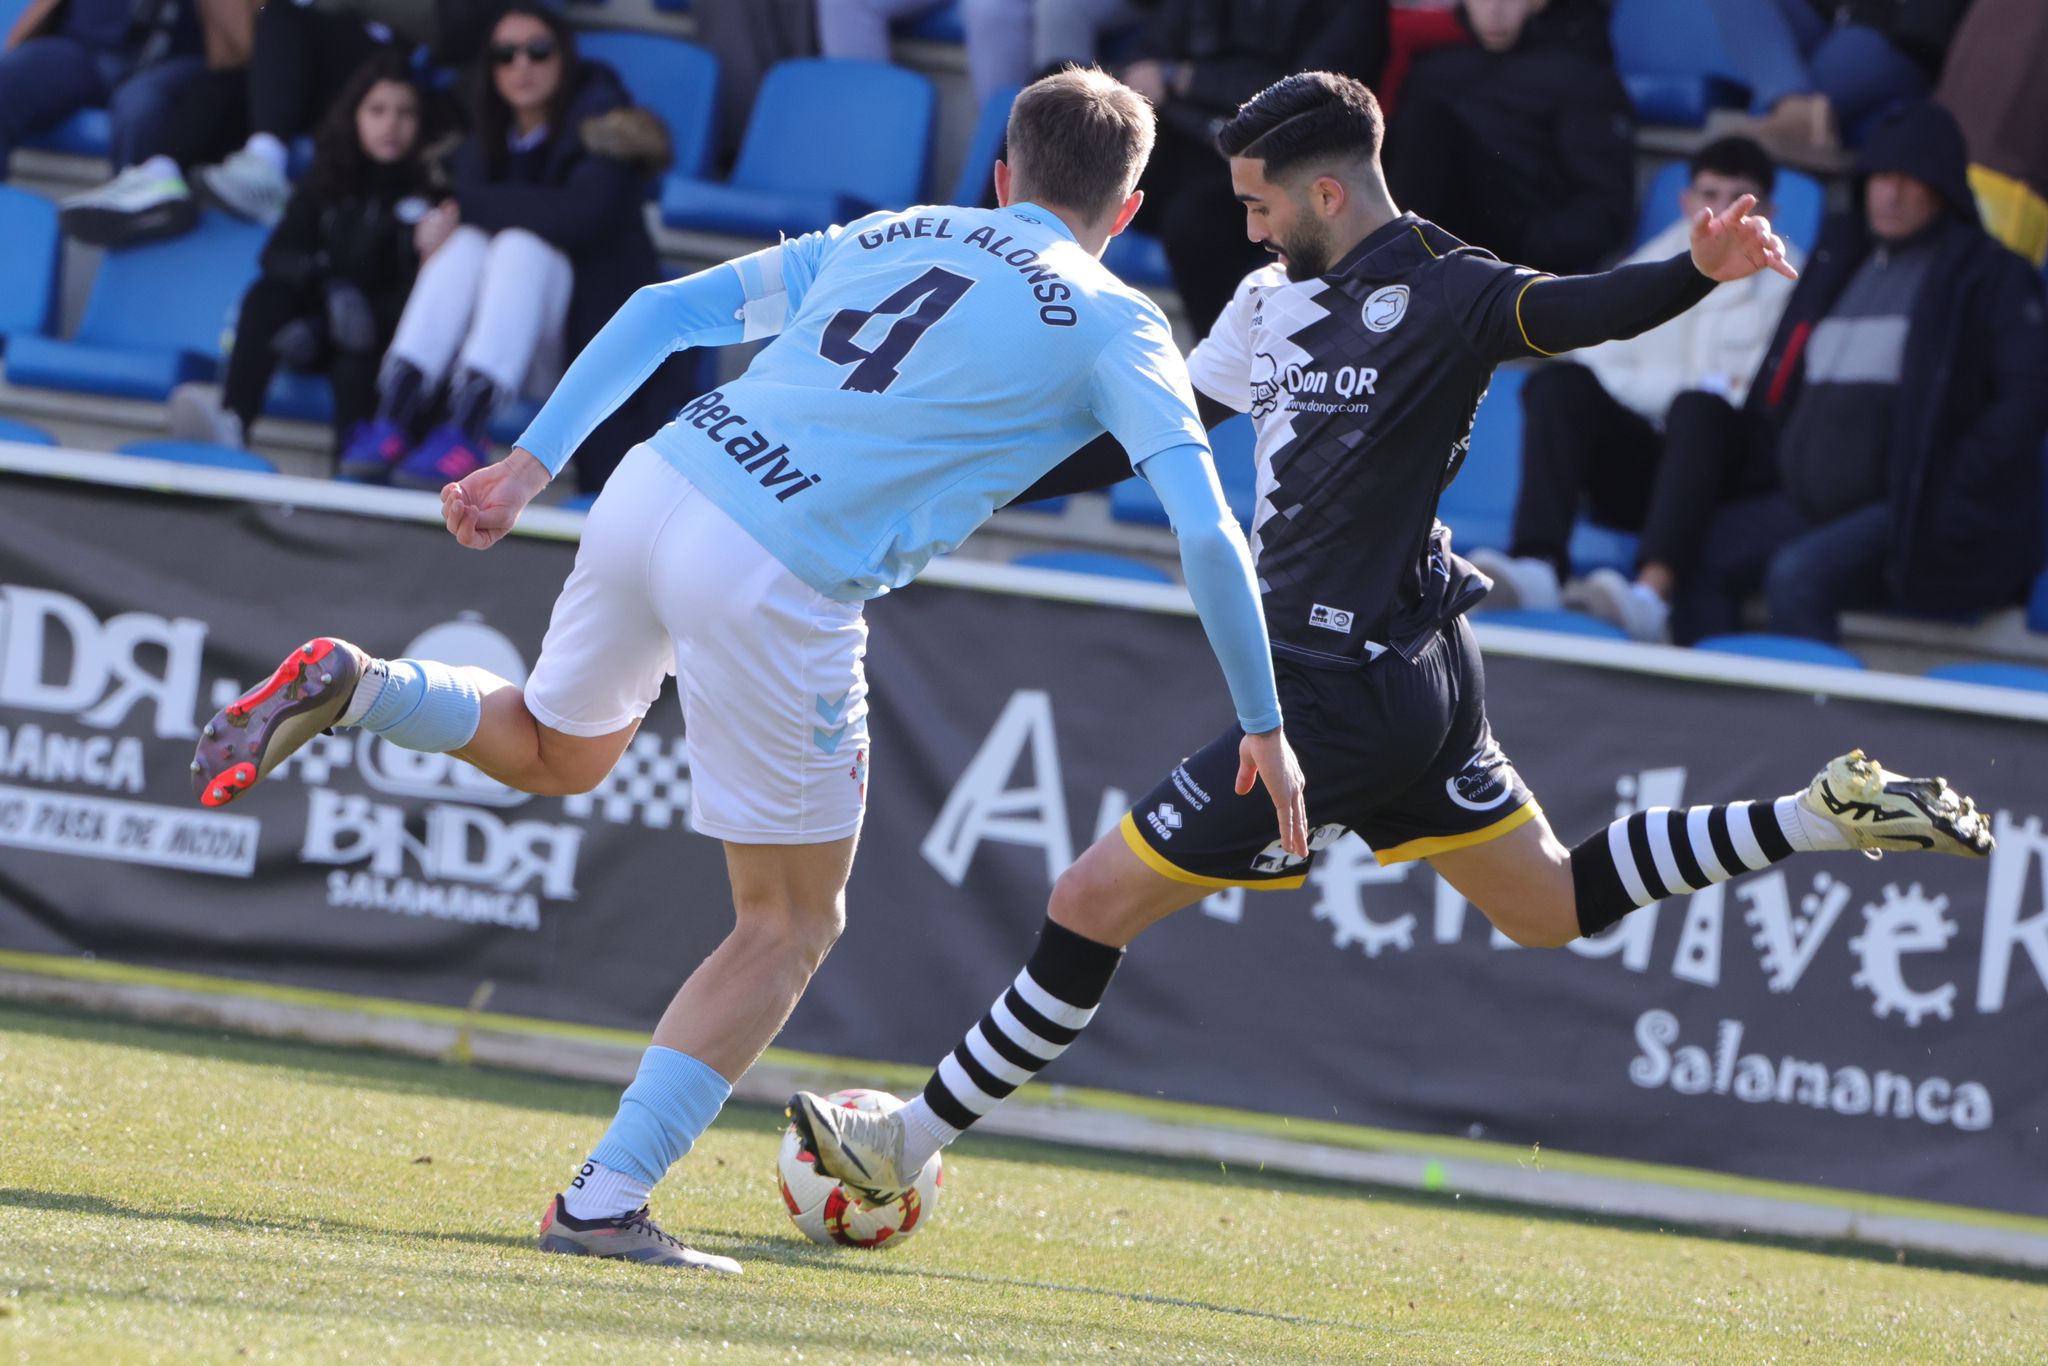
[(1268, 758), (1735, 243), (486, 505)]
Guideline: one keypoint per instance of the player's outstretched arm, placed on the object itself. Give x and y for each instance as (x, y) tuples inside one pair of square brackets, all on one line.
[(705, 309), (1220, 580), (1547, 316)]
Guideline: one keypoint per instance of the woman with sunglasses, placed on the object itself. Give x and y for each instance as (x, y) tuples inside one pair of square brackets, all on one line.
[(338, 268), (543, 238)]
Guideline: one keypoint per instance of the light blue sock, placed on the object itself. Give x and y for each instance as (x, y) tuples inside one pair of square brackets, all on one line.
[(672, 1100), (425, 705)]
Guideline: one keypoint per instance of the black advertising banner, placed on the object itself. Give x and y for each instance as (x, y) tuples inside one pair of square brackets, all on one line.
[(1867, 1024)]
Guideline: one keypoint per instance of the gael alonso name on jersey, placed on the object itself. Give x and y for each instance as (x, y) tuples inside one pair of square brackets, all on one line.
[(1046, 285)]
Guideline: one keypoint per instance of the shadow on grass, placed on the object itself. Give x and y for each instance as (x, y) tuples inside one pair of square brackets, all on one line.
[(403, 1075), (794, 1255), (61, 1202)]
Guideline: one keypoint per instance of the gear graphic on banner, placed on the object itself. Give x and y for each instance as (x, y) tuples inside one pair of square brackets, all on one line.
[(1903, 923), (1340, 876)]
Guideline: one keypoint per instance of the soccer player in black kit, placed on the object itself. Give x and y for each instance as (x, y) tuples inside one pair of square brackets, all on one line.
[(1361, 356)]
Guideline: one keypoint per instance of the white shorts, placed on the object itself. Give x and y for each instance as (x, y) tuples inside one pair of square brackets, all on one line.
[(775, 712)]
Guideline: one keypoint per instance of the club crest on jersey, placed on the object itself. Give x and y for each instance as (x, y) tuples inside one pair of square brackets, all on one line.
[(1385, 307)]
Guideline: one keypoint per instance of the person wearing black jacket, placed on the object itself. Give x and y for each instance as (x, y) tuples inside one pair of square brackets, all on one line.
[(1198, 60), (1520, 142), (337, 269), (544, 237), (1890, 450)]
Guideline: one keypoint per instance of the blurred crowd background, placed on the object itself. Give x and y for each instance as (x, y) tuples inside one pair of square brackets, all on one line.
[(392, 222)]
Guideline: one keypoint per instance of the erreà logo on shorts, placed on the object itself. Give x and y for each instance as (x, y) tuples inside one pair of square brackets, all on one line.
[(1384, 308), (710, 414), (1330, 619)]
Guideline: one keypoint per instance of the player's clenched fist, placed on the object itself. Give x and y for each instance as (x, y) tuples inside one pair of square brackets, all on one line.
[(483, 507)]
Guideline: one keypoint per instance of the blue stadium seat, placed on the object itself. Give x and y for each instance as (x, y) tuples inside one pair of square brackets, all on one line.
[(27, 433), (828, 142), (88, 133), (1791, 649), (983, 147), (200, 453), (1994, 675), (1671, 60), (1048, 506), (1600, 547), (155, 318), (31, 247), (941, 25), (1138, 258), (1236, 469), (1798, 205), (582, 502), (1564, 623), (2037, 602), (309, 398), (1095, 562), (510, 422), (675, 79), (673, 6), (1479, 506)]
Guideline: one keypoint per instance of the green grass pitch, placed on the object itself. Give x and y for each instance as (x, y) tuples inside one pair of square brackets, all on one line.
[(170, 1194)]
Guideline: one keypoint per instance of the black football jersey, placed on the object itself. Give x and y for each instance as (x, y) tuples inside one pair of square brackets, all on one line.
[(1362, 385)]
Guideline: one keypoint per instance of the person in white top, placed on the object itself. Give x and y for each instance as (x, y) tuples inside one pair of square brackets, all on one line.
[(1595, 428)]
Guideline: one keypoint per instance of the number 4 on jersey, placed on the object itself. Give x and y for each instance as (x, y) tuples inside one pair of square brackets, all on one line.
[(924, 300)]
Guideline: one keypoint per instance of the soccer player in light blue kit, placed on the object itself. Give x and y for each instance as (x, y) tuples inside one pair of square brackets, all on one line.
[(926, 367)]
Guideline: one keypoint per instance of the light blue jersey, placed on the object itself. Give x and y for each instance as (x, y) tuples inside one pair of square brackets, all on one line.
[(927, 366)]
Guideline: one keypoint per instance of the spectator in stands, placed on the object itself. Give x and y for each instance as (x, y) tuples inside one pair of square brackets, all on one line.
[(1520, 142), (1993, 85), (1197, 60), (1029, 37), (132, 56), (337, 270), (1595, 427), (1818, 67), (246, 115), (545, 237), (1889, 450), (748, 37)]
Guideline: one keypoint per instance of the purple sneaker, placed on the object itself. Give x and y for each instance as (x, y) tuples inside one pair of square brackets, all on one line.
[(373, 451), (446, 456)]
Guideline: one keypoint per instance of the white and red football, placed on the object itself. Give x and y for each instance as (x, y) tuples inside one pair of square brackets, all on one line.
[(826, 1212)]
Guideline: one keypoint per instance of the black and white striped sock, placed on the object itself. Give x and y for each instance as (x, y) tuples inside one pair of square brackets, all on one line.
[(1662, 852), (1043, 1012)]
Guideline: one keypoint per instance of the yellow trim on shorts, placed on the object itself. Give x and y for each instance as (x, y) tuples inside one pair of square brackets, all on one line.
[(1173, 872), (1524, 327), (1432, 845)]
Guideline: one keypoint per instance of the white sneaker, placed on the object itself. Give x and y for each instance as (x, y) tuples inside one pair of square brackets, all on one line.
[(860, 1149), (143, 202), (1606, 594), (1879, 810), (247, 186), (196, 415), (1518, 580)]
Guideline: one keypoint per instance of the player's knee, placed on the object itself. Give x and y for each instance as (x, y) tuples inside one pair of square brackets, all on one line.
[(802, 931), (1082, 901)]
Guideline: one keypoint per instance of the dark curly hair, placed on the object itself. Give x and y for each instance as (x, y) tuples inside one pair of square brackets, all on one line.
[(341, 169)]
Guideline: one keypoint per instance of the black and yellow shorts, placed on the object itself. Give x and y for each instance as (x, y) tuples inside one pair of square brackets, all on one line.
[(1399, 752)]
